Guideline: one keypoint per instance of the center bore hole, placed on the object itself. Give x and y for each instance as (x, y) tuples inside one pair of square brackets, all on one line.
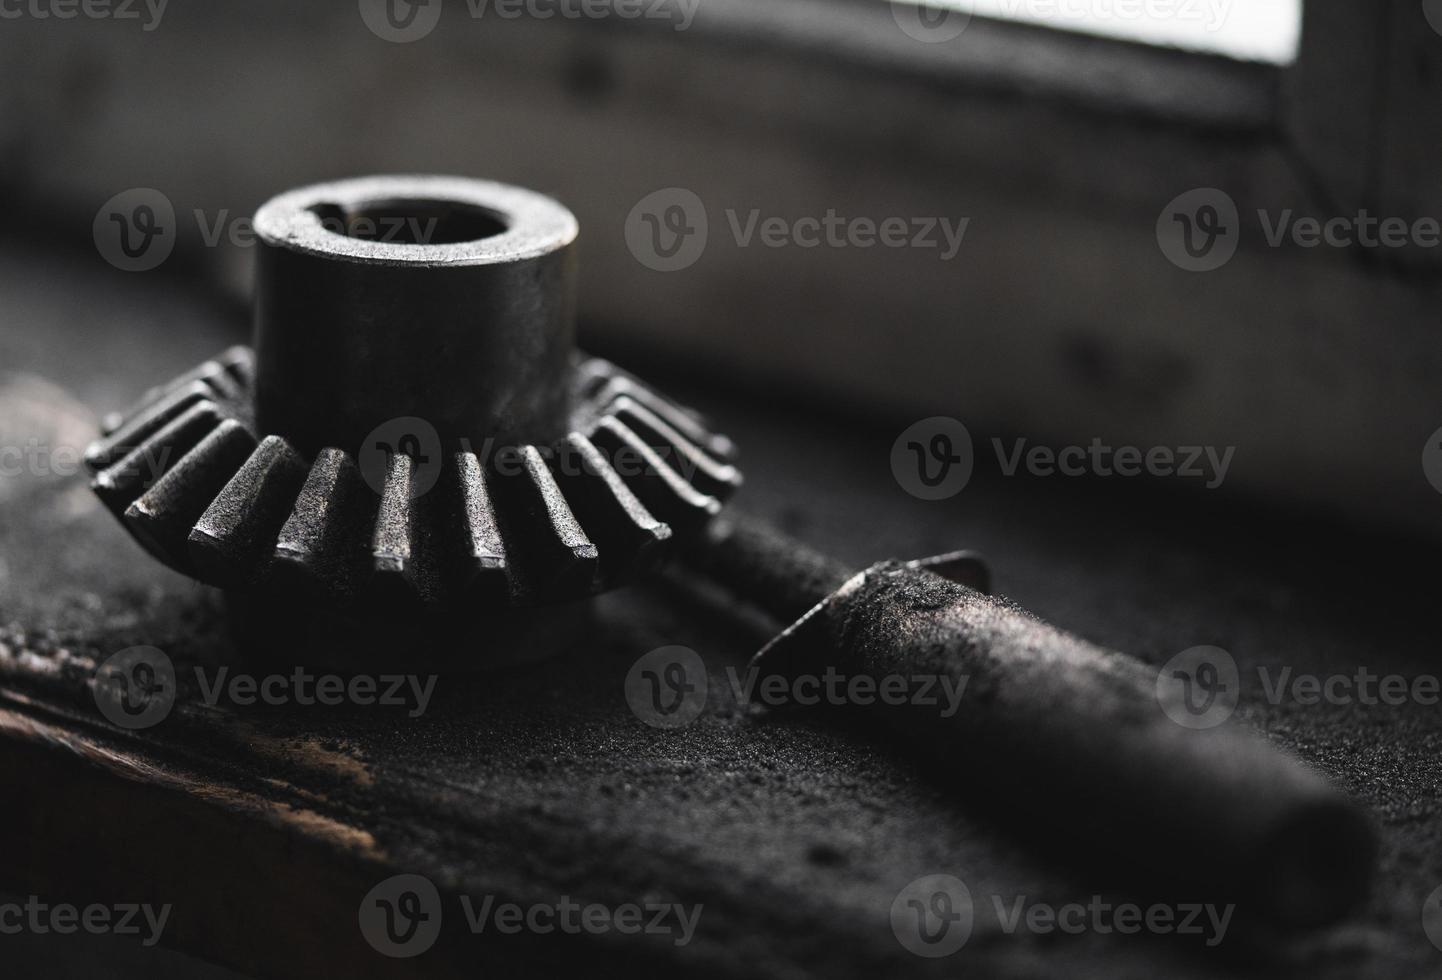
[(411, 222)]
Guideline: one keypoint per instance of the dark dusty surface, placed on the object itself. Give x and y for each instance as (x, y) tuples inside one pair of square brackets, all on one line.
[(795, 833)]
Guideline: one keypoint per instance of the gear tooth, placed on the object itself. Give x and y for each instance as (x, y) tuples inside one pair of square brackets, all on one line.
[(664, 491), (393, 540), (122, 481), (186, 476), (551, 554), (324, 539), (618, 384), (239, 364), (591, 374), (629, 539), (485, 568), (719, 479), (212, 375), (163, 516), (132, 430), (232, 542)]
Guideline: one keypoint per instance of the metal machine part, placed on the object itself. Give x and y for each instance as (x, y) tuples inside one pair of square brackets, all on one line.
[(415, 429), (1053, 724)]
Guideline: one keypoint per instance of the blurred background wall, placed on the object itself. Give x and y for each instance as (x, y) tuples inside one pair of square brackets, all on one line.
[(1060, 317)]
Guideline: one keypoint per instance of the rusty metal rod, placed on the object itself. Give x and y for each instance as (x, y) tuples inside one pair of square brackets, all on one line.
[(1052, 728)]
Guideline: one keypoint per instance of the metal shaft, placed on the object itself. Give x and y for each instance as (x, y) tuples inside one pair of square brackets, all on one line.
[(1072, 739), (768, 568)]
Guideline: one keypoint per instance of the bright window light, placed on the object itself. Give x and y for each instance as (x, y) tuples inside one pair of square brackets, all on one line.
[(1251, 30)]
